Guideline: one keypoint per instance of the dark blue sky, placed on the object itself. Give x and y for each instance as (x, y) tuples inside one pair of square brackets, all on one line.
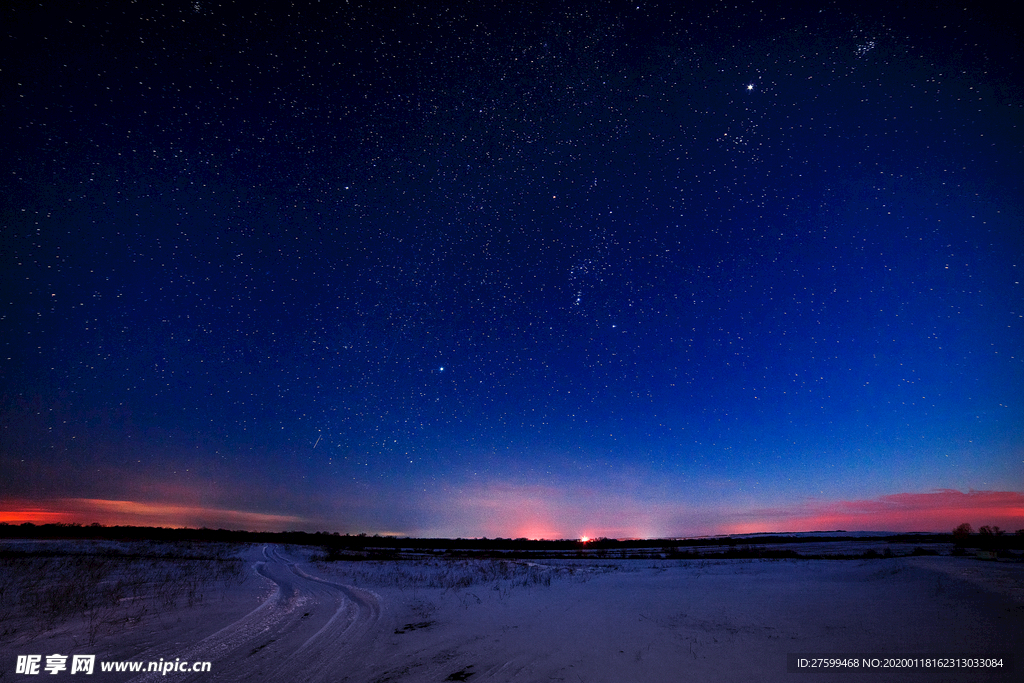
[(513, 269)]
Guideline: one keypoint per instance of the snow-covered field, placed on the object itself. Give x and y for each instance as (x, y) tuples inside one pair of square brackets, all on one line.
[(276, 614)]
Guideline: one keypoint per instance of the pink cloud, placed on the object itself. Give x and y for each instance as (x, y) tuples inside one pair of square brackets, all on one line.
[(940, 510)]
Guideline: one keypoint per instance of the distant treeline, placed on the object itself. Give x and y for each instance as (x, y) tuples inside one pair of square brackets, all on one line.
[(339, 543)]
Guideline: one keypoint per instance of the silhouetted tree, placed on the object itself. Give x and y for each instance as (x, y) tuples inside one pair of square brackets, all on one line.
[(962, 534), (989, 535)]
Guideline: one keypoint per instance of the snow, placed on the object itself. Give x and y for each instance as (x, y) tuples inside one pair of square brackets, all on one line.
[(285, 616)]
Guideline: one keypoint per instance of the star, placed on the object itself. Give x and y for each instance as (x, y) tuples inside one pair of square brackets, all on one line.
[(750, 86)]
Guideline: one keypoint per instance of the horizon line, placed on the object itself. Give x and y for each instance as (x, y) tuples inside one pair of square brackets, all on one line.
[(583, 539)]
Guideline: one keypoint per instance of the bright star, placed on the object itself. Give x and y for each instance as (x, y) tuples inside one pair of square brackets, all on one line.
[(750, 86)]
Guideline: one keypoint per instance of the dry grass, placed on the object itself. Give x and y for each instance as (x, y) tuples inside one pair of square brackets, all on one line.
[(104, 585)]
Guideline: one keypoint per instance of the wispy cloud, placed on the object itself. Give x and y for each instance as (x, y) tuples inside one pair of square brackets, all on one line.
[(127, 512), (939, 510)]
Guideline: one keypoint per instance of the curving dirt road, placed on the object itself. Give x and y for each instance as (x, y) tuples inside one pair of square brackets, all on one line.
[(309, 629)]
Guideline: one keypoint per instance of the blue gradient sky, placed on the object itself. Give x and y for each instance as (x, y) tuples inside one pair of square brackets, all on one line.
[(626, 269)]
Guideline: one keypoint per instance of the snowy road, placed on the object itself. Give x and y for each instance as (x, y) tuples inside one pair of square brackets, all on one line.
[(308, 629)]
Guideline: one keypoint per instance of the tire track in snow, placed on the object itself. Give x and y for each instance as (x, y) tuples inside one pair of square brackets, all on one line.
[(328, 653), (308, 629)]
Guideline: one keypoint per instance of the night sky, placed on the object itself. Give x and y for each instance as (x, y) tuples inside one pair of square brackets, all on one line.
[(513, 269)]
